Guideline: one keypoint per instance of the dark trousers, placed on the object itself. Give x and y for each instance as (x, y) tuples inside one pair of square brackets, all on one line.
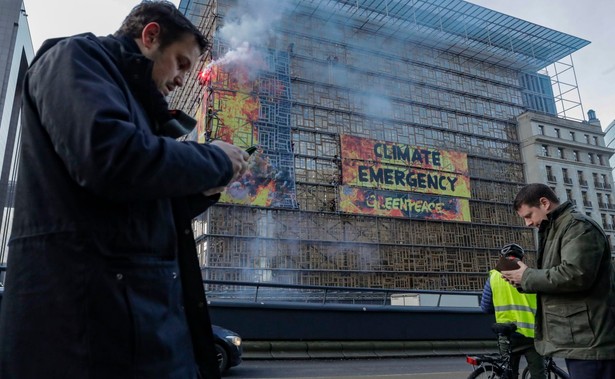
[(586, 369)]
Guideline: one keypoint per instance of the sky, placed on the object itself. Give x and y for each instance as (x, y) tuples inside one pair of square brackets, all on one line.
[(594, 64), (58, 18)]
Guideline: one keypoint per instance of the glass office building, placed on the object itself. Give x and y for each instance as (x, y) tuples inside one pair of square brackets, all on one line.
[(388, 153), (15, 52)]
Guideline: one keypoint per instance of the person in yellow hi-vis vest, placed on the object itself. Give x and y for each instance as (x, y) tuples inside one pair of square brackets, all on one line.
[(510, 305)]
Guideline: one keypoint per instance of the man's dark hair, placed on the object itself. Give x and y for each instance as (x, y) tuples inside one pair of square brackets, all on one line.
[(173, 24), (530, 195)]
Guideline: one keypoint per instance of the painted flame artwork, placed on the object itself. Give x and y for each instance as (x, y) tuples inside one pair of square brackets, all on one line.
[(232, 111)]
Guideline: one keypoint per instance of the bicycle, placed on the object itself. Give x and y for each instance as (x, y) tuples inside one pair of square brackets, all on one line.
[(553, 372), (498, 365)]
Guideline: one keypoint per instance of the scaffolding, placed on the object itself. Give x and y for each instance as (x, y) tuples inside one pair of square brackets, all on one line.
[(565, 85)]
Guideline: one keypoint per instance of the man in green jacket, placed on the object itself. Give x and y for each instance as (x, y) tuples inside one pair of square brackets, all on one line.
[(574, 282)]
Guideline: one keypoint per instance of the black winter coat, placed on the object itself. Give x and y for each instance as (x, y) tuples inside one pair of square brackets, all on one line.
[(102, 276)]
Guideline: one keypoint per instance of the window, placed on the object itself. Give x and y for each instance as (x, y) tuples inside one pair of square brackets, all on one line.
[(582, 180), (565, 176), (590, 157), (545, 150), (568, 194), (560, 153), (600, 160), (601, 203), (575, 155), (541, 130), (550, 176), (572, 136), (586, 138), (586, 201), (557, 133), (595, 140)]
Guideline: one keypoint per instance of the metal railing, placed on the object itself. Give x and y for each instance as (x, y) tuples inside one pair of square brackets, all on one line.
[(252, 292), (258, 292)]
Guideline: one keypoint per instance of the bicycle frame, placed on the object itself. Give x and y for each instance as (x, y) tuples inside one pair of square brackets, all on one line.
[(553, 371)]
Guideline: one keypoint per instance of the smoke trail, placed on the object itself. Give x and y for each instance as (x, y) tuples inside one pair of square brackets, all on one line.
[(249, 25)]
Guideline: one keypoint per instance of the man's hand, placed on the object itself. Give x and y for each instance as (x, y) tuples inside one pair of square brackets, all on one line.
[(514, 276), (213, 191), (239, 157)]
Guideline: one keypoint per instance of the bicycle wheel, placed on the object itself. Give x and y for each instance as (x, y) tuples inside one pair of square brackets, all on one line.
[(552, 373), (485, 372)]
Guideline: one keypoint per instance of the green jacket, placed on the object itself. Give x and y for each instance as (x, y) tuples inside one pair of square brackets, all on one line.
[(576, 287)]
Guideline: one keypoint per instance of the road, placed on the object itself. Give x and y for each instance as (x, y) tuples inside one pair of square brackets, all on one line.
[(389, 368)]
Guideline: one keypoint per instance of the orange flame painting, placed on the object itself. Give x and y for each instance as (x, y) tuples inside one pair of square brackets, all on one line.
[(232, 111)]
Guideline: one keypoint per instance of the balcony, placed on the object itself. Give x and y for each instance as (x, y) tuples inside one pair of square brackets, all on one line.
[(583, 182), (574, 202), (552, 178), (602, 205), (610, 206), (598, 185), (607, 186), (568, 180), (587, 204)]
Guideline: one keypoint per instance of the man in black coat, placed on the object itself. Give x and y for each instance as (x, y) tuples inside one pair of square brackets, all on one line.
[(102, 275)]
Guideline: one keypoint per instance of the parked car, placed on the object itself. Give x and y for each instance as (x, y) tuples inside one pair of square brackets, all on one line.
[(228, 347)]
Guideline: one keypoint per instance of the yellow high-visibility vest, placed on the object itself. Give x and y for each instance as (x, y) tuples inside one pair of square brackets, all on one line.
[(511, 305)]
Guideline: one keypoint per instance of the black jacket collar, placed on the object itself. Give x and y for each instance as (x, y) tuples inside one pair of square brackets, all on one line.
[(554, 215), (137, 71)]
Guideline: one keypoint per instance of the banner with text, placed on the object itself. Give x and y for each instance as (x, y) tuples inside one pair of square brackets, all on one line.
[(400, 180), (374, 175), (365, 149), (398, 204)]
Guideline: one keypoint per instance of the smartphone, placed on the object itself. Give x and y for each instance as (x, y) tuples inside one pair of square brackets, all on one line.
[(506, 264), (250, 150)]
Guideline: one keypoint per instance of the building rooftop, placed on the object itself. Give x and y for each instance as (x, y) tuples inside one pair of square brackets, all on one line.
[(456, 26), (450, 25)]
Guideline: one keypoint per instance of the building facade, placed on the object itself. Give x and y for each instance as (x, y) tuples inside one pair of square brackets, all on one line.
[(15, 52), (609, 140), (394, 125), (574, 159)]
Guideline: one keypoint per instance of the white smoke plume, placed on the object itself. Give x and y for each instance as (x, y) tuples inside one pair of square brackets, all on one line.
[(248, 25)]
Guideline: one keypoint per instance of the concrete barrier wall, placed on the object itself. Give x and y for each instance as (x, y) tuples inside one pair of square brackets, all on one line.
[(328, 322)]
